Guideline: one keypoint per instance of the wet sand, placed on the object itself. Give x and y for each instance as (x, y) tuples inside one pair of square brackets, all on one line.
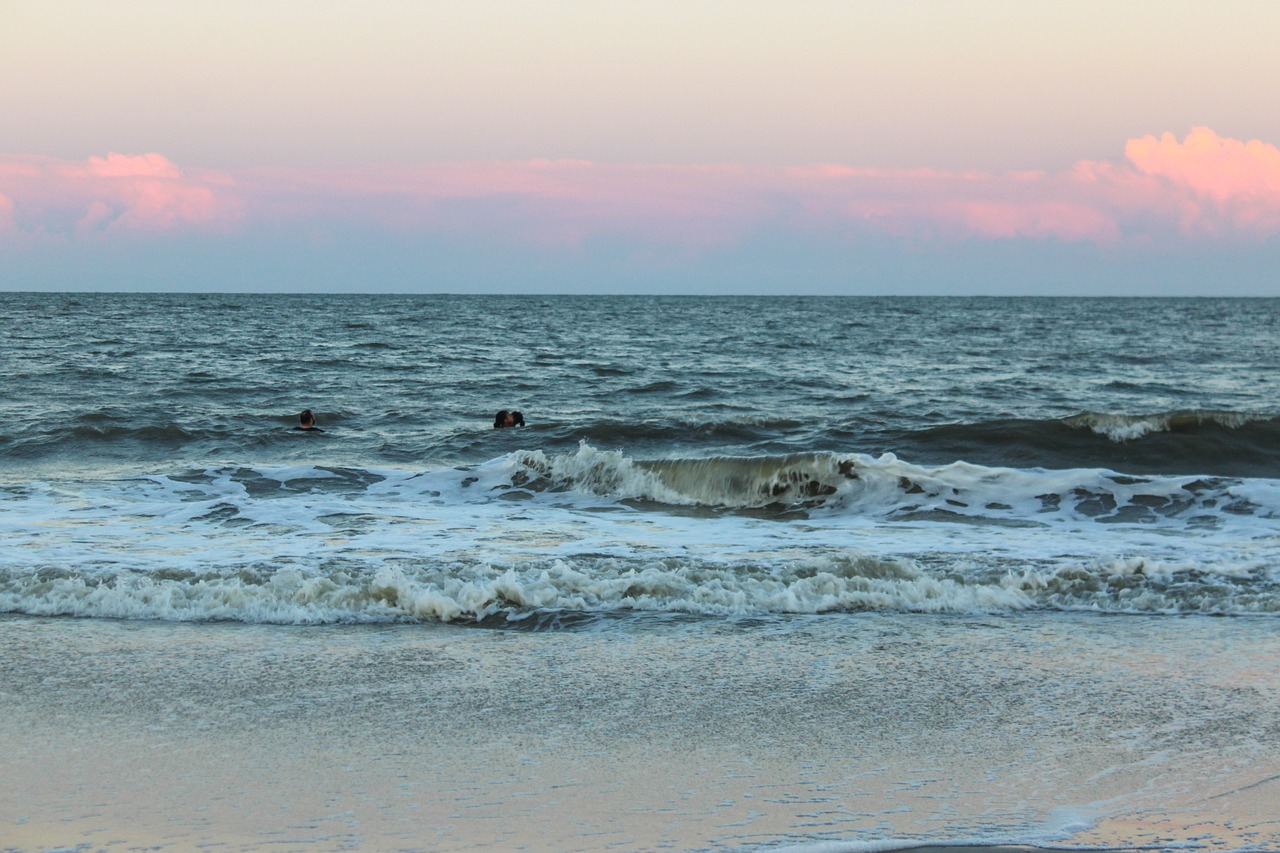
[(838, 734), (1003, 848)]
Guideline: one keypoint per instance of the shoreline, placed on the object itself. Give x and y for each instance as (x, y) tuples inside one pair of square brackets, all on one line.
[(828, 735)]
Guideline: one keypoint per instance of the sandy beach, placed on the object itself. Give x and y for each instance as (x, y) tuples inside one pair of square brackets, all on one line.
[(840, 734)]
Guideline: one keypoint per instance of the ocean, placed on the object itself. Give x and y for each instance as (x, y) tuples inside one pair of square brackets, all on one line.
[(803, 573)]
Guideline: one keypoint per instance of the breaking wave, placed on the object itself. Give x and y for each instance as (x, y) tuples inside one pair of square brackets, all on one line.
[(479, 591), (534, 533), (884, 486)]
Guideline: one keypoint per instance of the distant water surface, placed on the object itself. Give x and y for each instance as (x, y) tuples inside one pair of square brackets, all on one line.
[(134, 379)]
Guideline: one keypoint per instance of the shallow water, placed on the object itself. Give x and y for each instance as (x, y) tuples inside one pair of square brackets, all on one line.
[(845, 733)]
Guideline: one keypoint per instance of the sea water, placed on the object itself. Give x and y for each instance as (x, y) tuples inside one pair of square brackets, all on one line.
[(782, 503)]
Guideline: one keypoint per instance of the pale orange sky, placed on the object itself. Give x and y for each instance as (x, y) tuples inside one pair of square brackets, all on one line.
[(986, 84)]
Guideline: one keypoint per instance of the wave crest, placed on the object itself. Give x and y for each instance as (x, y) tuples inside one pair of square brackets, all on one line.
[(804, 479), (887, 487), (1123, 427)]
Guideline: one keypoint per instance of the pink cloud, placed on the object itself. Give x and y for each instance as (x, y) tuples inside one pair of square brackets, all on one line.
[(124, 166), (539, 202), (931, 205), (18, 169), (144, 193), (995, 219), (1206, 186), (1210, 164), (1233, 186), (1164, 191)]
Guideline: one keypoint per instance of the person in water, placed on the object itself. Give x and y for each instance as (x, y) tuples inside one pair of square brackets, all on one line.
[(506, 419), (307, 421)]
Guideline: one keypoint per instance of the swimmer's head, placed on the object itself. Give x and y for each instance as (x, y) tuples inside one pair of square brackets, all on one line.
[(306, 419), (506, 419)]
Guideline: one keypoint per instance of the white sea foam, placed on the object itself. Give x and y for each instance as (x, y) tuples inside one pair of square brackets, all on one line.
[(598, 532)]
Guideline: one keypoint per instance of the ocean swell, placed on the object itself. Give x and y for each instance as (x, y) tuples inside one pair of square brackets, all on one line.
[(1222, 443), (1128, 427)]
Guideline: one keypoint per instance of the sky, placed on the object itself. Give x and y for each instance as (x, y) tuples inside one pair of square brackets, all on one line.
[(671, 146)]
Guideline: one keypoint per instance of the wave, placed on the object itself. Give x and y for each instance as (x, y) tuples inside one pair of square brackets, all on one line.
[(681, 431), (1122, 427), (480, 591), (1194, 441), (96, 436), (1225, 443), (594, 532), (166, 433), (782, 485), (889, 487)]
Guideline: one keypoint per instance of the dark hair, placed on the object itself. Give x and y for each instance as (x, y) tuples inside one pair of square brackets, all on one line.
[(306, 417), (499, 420), (517, 419)]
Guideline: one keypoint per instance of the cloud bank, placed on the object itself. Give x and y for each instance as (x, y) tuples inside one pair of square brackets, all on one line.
[(1163, 195), (1203, 185)]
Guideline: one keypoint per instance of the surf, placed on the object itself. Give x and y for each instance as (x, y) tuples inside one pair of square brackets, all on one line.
[(539, 535)]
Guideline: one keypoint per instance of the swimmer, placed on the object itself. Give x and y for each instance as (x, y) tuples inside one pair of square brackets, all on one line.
[(307, 421), (505, 419)]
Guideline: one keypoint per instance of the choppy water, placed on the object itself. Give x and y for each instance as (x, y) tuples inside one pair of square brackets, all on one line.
[(714, 457)]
